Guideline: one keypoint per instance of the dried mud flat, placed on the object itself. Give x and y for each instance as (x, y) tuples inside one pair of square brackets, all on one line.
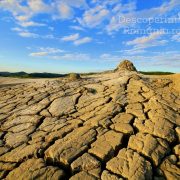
[(119, 125)]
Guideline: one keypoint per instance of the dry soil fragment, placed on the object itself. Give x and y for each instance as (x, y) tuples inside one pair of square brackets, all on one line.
[(67, 149), (83, 176), (105, 145), (123, 118), (106, 175), (123, 127), (130, 165), (62, 106), (170, 169), (154, 148), (21, 152), (158, 127), (35, 169), (87, 163)]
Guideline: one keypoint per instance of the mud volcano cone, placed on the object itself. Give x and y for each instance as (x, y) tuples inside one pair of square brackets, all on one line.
[(126, 65)]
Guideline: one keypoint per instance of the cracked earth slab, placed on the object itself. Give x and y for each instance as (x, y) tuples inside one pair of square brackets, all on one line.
[(117, 125)]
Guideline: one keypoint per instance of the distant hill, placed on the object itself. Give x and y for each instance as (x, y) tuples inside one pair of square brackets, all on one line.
[(31, 75), (54, 75)]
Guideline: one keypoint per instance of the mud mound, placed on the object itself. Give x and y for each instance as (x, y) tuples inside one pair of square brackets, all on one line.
[(74, 76), (126, 65), (127, 127)]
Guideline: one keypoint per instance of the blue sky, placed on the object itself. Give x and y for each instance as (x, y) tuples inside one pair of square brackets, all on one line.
[(89, 35)]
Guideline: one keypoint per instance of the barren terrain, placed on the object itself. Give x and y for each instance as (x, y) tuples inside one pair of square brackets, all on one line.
[(119, 125)]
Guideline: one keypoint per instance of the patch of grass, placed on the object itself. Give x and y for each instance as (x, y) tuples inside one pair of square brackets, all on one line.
[(91, 90)]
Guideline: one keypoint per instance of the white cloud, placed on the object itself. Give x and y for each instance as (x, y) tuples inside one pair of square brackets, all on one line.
[(78, 28), (28, 34), (147, 41), (30, 23), (72, 37), (77, 3), (23, 18), (176, 37), (45, 51), (132, 51), (65, 11), (94, 16), (51, 50), (23, 32), (51, 28), (49, 36), (75, 38), (58, 54), (38, 6), (63, 57), (82, 41), (73, 57), (17, 29), (38, 54)]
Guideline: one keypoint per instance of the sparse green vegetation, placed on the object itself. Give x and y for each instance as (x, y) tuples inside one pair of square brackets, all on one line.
[(156, 73), (91, 90)]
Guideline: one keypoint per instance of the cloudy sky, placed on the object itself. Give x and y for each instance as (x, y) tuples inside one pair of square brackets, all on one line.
[(89, 35)]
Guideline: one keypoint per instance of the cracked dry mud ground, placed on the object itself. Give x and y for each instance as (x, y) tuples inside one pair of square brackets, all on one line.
[(120, 125)]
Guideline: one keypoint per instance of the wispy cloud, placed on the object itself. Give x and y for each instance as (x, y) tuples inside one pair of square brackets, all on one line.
[(17, 29), (82, 41), (24, 32), (45, 51), (132, 51), (95, 16), (75, 38), (71, 37), (144, 39), (78, 28), (176, 37), (30, 24), (28, 35), (51, 50), (147, 41), (72, 57), (65, 9), (63, 57), (38, 6), (38, 54)]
